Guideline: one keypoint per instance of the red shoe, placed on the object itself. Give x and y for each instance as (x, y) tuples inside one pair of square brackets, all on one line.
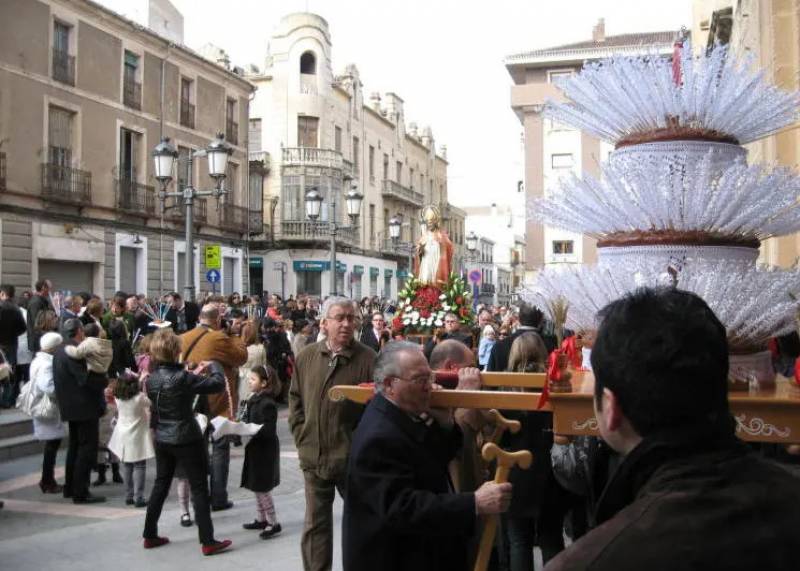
[(216, 547), (153, 542)]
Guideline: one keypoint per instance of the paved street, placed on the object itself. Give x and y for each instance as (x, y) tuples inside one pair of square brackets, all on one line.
[(49, 532)]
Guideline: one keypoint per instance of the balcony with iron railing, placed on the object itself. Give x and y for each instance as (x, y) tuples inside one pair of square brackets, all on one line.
[(260, 162), (233, 217), (135, 199), (132, 94), (177, 211), (187, 113), (232, 132), (311, 157), (66, 184), (487, 289), (2, 171), (400, 248), (392, 189), (307, 230), (63, 67), (255, 225)]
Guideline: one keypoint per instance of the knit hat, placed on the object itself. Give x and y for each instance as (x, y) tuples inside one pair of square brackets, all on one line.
[(50, 341)]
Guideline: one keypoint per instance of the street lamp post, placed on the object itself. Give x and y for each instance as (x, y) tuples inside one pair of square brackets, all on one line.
[(164, 157), (313, 207)]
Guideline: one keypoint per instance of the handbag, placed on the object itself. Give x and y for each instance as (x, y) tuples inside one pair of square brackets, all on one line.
[(35, 404)]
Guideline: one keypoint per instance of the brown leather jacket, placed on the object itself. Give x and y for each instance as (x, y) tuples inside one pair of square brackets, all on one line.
[(230, 352), (322, 429)]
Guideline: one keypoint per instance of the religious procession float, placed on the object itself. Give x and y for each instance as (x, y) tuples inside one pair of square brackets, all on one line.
[(676, 204)]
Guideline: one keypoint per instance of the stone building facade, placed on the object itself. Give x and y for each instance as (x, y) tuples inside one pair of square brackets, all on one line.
[(322, 131), (85, 95)]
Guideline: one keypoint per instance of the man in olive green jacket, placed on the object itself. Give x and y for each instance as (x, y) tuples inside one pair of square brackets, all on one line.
[(323, 429)]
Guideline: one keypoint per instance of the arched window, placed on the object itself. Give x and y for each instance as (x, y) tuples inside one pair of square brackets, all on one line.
[(308, 63)]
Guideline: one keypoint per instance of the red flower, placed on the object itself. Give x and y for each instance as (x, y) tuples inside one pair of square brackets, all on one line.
[(463, 312), (397, 324), (425, 313), (459, 300)]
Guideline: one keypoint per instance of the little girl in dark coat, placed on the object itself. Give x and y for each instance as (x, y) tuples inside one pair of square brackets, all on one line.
[(261, 469)]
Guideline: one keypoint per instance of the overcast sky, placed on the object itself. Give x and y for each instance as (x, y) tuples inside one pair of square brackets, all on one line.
[(443, 57)]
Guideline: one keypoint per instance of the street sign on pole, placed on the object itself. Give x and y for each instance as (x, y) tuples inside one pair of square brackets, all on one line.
[(212, 276), (213, 257)]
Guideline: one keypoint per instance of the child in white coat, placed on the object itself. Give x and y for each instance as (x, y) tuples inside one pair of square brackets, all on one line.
[(131, 441)]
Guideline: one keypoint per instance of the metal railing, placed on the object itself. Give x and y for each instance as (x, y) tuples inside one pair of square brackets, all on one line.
[(255, 223), (2, 171), (232, 217), (307, 230), (63, 67), (232, 132), (132, 94), (135, 198), (487, 289), (177, 212), (66, 184), (311, 156), (187, 114), (391, 189)]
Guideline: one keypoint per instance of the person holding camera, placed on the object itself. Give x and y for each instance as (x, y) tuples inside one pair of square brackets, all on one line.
[(210, 342), (375, 335)]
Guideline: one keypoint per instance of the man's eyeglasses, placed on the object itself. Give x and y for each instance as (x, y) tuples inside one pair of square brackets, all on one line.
[(343, 317), (429, 380)]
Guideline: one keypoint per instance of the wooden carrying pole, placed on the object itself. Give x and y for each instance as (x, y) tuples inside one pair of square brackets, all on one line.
[(505, 461)]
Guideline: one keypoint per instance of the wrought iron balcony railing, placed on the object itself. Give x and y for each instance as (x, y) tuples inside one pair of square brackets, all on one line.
[(232, 132), (187, 114), (135, 198), (132, 94), (66, 184), (256, 224), (177, 212), (391, 189), (63, 67), (232, 217)]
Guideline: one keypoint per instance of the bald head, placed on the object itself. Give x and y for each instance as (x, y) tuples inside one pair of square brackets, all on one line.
[(451, 354), (209, 315)]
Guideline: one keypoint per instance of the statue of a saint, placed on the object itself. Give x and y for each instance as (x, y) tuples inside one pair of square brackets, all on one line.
[(434, 252)]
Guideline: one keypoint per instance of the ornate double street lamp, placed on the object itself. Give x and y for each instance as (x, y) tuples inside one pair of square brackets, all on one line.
[(352, 202), (165, 155)]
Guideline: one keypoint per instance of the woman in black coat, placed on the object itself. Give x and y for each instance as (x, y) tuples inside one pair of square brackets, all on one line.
[(178, 439), (261, 471)]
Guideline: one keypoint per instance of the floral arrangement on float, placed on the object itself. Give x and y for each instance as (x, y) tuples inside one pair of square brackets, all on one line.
[(423, 306)]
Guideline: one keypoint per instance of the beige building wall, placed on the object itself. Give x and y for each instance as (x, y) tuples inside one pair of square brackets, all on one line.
[(357, 134), (769, 30), (552, 150), (53, 229)]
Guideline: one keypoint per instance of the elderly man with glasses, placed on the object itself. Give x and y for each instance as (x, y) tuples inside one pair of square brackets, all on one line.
[(400, 511), (321, 428)]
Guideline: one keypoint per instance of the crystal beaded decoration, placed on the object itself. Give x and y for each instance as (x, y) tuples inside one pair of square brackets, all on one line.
[(623, 96), (751, 302), (676, 190), (749, 202)]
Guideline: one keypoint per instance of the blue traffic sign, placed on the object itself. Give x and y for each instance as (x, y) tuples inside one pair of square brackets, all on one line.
[(212, 276)]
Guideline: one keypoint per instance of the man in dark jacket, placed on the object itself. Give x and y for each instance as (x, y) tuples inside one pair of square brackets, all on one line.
[(182, 315), (399, 511), (688, 494), (373, 333), (39, 302), (12, 325), (452, 330), (530, 319), (81, 402)]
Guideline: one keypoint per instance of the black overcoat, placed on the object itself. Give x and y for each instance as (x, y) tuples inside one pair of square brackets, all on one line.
[(400, 512), (261, 471), (79, 392)]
